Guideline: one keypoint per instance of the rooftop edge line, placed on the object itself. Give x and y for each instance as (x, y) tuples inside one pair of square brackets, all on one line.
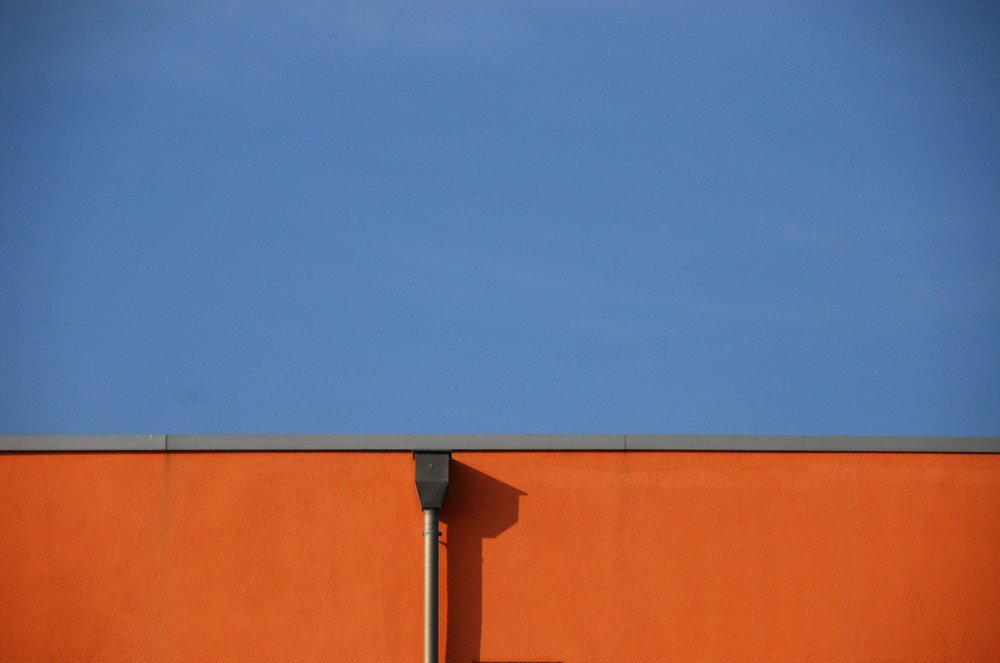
[(791, 443)]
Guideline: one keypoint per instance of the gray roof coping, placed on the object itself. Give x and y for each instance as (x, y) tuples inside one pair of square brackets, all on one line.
[(29, 443), (814, 443), (784, 443), (395, 442)]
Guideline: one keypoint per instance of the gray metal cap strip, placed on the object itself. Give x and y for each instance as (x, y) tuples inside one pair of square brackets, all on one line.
[(859, 443), (395, 442), (83, 442), (800, 443)]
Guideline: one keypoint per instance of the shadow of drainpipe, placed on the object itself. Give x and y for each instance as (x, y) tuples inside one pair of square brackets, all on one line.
[(479, 507)]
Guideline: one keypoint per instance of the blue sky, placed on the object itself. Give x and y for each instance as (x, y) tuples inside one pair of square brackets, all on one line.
[(554, 217)]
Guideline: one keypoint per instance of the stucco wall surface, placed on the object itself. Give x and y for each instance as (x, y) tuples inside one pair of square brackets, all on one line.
[(546, 556)]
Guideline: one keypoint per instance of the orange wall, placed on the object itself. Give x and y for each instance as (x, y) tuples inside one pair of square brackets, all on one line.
[(569, 557)]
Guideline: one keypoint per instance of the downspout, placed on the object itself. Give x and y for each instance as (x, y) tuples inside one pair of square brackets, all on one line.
[(431, 475)]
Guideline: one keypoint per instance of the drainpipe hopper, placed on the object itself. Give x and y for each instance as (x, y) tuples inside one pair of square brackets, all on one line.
[(431, 474)]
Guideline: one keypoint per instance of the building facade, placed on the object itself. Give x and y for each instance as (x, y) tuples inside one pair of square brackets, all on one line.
[(553, 548)]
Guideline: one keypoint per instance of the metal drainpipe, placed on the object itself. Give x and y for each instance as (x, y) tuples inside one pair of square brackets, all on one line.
[(431, 475), (431, 535)]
